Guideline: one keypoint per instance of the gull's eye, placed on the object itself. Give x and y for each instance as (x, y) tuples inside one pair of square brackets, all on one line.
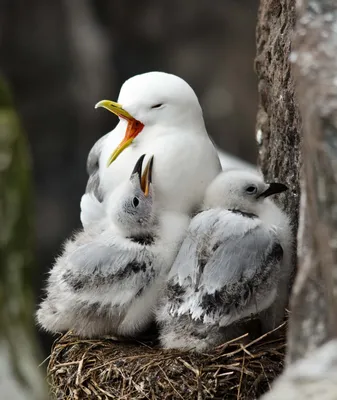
[(251, 189), (157, 105), (135, 201)]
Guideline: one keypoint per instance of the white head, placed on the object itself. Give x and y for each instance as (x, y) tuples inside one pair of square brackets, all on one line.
[(160, 98), (131, 205), (241, 190), (155, 99)]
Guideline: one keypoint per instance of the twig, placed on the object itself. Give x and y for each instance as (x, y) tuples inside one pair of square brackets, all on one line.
[(241, 376)]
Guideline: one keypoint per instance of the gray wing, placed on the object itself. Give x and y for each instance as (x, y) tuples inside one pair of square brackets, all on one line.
[(240, 277), (197, 248), (240, 255), (93, 184), (225, 267), (188, 266), (96, 265), (92, 286)]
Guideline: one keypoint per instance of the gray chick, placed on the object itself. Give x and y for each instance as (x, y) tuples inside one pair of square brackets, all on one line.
[(233, 264), (107, 279)]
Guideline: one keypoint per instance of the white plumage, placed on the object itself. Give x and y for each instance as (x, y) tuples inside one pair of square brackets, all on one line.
[(174, 132), (233, 264), (228, 161), (107, 279)]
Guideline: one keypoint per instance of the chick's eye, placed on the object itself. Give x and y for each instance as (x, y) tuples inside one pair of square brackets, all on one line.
[(135, 201), (251, 189), (157, 105)]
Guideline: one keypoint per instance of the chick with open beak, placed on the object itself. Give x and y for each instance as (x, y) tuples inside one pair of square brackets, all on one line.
[(134, 126), (131, 205), (108, 277)]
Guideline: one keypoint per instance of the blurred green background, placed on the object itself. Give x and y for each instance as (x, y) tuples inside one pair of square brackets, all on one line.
[(20, 379)]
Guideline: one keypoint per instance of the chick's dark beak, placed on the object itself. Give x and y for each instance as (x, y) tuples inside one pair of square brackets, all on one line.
[(274, 188), (137, 170), (147, 177)]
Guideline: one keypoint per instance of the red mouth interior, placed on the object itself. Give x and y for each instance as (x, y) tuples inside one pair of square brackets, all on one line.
[(133, 129)]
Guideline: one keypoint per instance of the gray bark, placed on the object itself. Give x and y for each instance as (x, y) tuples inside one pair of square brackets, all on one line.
[(278, 128), (314, 303), (312, 346)]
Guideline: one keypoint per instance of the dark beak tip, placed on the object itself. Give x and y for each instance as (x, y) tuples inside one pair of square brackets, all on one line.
[(277, 188), (150, 169), (138, 167), (274, 188), (280, 187)]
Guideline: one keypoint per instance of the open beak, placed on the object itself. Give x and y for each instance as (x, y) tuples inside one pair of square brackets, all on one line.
[(133, 129), (274, 188), (145, 179), (137, 170)]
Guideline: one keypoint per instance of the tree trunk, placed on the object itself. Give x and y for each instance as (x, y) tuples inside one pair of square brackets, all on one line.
[(312, 345), (314, 304), (278, 129), (19, 374)]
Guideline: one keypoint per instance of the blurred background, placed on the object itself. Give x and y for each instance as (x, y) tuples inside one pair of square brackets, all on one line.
[(61, 57)]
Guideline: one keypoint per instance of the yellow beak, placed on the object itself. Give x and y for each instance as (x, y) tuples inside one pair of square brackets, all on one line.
[(115, 108), (133, 129)]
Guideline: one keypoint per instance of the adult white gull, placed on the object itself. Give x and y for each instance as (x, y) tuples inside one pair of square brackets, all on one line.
[(159, 114)]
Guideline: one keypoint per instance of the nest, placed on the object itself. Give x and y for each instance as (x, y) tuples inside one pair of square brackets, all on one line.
[(106, 369)]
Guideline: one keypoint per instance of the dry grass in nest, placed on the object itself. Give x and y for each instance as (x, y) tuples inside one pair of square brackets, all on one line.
[(106, 369)]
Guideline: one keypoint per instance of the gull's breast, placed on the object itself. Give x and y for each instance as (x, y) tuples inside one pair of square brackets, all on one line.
[(184, 165)]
